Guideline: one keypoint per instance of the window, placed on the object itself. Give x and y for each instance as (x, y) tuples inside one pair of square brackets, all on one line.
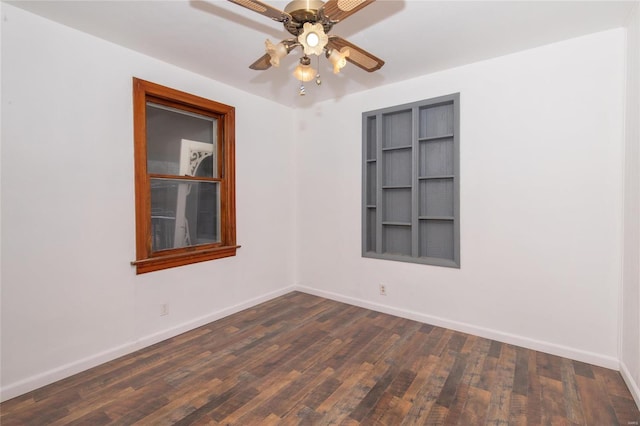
[(411, 182), (185, 178)]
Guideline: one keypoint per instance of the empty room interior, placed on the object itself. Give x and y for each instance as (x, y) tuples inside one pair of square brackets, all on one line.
[(349, 212)]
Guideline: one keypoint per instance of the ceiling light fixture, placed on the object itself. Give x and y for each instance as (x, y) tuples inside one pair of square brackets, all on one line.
[(304, 71), (276, 52), (313, 39), (309, 22), (338, 58)]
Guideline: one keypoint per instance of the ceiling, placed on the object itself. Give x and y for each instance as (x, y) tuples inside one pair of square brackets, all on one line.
[(219, 39)]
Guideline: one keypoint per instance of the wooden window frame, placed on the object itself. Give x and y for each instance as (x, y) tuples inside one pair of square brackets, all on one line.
[(146, 259)]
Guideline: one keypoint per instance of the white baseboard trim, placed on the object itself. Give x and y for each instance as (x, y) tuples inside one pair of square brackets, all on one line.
[(34, 382), (633, 386), (550, 348)]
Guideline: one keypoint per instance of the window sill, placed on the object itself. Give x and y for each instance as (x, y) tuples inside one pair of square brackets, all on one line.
[(179, 259)]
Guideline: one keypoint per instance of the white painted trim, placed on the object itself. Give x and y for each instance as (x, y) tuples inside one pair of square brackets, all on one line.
[(623, 207), (634, 387), (34, 382), (513, 339)]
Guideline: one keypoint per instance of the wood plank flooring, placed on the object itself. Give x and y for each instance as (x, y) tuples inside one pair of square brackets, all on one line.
[(305, 360)]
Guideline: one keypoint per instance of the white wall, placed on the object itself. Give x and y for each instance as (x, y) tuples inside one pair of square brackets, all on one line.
[(541, 201), (541, 205), (630, 329), (70, 298)]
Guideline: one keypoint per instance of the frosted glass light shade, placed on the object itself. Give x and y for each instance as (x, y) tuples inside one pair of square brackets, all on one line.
[(313, 39), (275, 51), (338, 58), (304, 72)]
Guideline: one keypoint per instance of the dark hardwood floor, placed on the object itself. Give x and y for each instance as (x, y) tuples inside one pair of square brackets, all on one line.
[(301, 359)]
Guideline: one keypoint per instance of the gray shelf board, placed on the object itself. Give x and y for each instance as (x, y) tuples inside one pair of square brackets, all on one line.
[(434, 261), (396, 187), (436, 218), (396, 223), (371, 206), (396, 148), (436, 177), (435, 138), (371, 160)]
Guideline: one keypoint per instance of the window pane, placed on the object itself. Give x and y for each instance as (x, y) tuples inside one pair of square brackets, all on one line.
[(184, 213), (180, 143)]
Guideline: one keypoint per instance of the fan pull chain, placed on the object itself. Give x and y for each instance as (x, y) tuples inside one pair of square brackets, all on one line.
[(302, 92), (318, 80)]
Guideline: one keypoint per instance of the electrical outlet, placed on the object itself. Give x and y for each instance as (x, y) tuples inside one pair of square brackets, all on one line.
[(164, 309), (383, 290)]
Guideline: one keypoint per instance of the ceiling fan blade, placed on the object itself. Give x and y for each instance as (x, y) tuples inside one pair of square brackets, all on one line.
[(264, 9), (357, 56), (262, 64), (337, 10)]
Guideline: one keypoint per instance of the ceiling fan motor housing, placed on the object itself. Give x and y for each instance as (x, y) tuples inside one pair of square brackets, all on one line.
[(304, 11)]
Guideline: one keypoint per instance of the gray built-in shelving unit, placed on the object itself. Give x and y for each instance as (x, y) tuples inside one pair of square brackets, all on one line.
[(411, 182)]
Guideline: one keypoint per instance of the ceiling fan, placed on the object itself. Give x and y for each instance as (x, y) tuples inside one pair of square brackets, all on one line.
[(310, 21)]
